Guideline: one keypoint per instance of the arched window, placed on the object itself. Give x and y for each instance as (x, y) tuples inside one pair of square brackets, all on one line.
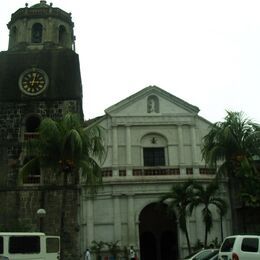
[(62, 35), (31, 126), (154, 149), (32, 123), (37, 33)]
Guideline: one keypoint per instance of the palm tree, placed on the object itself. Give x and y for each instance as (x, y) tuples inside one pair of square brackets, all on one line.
[(179, 198), (207, 196), (222, 212), (66, 147), (230, 146)]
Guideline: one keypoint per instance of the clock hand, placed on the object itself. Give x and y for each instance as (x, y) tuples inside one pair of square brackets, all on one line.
[(34, 77)]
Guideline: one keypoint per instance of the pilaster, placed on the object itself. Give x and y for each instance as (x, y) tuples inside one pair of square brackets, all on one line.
[(131, 220), (194, 145), (114, 150), (117, 220), (90, 221), (180, 146), (128, 146)]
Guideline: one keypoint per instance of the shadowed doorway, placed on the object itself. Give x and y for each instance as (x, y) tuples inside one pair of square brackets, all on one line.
[(157, 233)]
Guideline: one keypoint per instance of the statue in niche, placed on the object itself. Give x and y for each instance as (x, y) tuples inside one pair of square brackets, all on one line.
[(152, 104)]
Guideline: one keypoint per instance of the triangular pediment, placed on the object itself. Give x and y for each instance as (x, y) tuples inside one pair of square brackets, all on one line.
[(152, 101)]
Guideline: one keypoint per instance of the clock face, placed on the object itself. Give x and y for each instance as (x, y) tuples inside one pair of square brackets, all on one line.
[(33, 81)]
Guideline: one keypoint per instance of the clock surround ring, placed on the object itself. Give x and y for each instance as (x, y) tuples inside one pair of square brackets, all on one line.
[(33, 81)]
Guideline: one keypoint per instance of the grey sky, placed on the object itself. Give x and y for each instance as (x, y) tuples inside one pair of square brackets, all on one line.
[(205, 52)]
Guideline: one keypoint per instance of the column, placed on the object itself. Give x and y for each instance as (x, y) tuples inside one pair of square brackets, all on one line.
[(114, 151), (180, 146), (128, 151), (26, 37), (128, 146), (117, 220), (131, 220), (48, 32), (90, 221), (194, 145)]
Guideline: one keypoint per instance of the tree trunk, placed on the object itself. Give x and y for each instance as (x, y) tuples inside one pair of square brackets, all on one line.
[(206, 236), (244, 218), (188, 239), (221, 228), (233, 201)]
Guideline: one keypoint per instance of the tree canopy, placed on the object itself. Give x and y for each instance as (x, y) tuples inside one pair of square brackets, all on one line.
[(233, 147), (66, 146)]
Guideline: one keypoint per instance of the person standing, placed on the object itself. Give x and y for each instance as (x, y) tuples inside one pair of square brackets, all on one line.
[(131, 253), (87, 255)]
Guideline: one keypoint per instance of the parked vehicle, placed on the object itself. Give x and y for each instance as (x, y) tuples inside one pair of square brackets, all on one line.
[(204, 254), (240, 247), (3, 258), (29, 246), (210, 257)]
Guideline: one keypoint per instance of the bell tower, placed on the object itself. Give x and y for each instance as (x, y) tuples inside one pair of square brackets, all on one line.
[(39, 77), (40, 63), (40, 26)]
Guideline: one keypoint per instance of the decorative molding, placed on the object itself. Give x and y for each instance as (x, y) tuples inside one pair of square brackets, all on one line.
[(153, 120)]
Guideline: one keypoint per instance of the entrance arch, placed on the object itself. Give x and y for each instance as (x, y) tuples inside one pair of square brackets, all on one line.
[(157, 233)]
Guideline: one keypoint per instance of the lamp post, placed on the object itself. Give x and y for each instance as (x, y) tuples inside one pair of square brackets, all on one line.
[(41, 214)]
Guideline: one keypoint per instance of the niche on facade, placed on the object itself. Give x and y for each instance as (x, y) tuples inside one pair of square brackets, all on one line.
[(153, 104), (36, 33)]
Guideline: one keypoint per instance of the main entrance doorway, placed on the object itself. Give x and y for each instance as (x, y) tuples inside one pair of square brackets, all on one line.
[(157, 233)]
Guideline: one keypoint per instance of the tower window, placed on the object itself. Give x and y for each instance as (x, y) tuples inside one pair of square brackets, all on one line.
[(32, 123), (154, 156), (37, 33), (62, 35)]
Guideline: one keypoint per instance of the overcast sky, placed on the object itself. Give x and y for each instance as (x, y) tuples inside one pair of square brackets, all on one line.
[(203, 51)]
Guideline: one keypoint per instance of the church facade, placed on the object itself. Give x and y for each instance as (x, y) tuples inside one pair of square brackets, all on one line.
[(153, 140)]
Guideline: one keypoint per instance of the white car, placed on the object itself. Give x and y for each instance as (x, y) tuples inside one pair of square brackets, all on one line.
[(240, 247), (204, 254)]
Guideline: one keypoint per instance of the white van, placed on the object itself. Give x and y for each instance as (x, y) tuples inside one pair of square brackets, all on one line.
[(29, 246), (240, 247)]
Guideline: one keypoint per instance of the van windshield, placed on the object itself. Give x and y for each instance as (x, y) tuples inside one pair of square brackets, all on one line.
[(228, 245)]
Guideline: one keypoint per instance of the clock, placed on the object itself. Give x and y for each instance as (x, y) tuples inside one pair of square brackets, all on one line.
[(33, 81)]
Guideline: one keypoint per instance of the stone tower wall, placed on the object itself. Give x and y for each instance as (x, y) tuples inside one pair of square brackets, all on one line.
[(19, 203)]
